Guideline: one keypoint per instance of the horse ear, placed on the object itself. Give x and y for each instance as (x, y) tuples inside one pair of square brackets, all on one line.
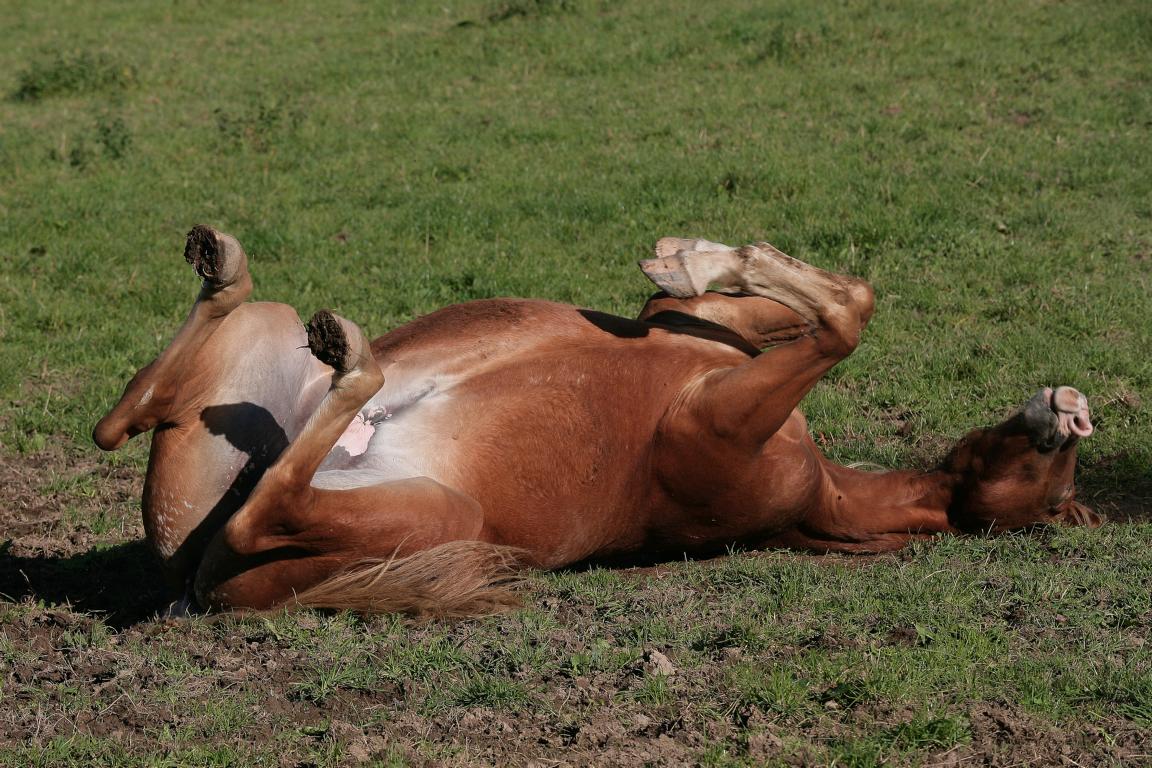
[(1078, 514)]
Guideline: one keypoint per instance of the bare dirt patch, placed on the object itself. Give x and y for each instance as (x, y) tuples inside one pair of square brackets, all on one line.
[(617, 668), (72, 538)]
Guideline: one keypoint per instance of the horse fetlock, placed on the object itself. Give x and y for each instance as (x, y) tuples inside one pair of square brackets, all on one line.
[(861, 297), (838, 306)]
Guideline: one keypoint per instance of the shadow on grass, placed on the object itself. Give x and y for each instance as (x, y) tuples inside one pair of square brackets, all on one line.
[(1119, 486), (121, 584)]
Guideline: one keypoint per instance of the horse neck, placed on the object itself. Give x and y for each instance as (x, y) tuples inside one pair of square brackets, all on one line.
[(878, 511)]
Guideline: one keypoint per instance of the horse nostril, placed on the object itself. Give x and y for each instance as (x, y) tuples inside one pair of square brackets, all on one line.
[(1081, 425)]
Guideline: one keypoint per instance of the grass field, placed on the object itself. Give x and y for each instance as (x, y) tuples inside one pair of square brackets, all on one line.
[(986, 165)]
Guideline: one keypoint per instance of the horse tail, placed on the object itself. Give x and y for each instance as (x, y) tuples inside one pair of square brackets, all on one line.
[(459, 579)]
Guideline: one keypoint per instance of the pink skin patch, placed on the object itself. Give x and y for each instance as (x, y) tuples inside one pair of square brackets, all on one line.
[(355, 439)]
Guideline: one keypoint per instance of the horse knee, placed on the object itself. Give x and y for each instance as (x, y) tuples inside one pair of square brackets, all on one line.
[(248, 531), (845, 318), (239, 536), (863, 298)]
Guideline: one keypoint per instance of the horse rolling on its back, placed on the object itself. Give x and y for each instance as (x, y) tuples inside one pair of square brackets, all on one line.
[(307, 464)]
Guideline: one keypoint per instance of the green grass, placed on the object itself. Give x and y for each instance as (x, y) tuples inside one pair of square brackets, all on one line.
[(888, 660), (984, 164), (986, 171)]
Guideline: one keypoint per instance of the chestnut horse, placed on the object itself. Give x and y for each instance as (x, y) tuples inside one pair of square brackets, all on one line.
[(305, 464)]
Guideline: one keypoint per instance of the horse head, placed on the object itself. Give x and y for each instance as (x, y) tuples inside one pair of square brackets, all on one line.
[(1020, 474)]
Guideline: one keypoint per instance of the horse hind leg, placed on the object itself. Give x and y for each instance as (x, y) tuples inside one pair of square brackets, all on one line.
[(150, 396), (356, 377), (759, 321), (408, 545), (411, 546), (230, 382)]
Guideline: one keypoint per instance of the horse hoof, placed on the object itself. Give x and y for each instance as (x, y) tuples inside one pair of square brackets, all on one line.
[(327, 340), (670, 274), (685, 268), (217, 258)]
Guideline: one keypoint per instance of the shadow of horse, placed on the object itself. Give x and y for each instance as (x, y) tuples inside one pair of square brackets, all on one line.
[(122, 584), (125, 584)]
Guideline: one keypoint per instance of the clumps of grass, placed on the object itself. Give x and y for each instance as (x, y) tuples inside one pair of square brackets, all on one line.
[(773, 689), (918, 734), (512, 9), (109, 138), (1128, 692), (113, 137), (654, 692), (928, 733), (780, 42), (598, 656), (257, 127), (488, 691), (326, 679), (784, 44), (64, 74), (741, 633), (849, 693), (465, 286)]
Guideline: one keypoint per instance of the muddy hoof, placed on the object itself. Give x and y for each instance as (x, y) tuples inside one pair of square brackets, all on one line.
[(202, 251), (219, 261), (328, 341)]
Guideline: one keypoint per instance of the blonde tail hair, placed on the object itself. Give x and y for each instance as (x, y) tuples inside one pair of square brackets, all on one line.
[(459, 579)]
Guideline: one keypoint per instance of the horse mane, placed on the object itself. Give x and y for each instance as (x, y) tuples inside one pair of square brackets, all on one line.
[(459, 579)]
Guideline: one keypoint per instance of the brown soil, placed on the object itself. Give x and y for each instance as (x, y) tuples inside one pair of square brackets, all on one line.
[(50, 551), (78, 613)]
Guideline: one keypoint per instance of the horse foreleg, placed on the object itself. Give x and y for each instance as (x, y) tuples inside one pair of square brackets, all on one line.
[(743, 406)]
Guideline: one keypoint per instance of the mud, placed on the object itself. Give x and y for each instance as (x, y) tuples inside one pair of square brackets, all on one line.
[(202, 252), (327, 341), (79, 546)]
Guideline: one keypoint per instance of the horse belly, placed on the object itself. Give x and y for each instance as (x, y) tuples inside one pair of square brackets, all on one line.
[(398, 434), (558, 451)]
